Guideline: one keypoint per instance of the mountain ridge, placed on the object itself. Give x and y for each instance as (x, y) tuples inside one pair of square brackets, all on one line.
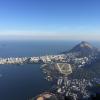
[(83, 49)]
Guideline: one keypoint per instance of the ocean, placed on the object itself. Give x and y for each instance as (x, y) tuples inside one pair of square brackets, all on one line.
[(20, 82)]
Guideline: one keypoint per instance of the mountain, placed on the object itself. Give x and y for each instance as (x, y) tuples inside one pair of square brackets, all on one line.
[(84, 49)]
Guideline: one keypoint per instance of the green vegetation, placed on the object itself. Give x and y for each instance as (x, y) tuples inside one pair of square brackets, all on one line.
[(87, 72)]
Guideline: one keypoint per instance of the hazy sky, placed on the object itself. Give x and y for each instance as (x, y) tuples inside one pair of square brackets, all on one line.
[(50, 19)]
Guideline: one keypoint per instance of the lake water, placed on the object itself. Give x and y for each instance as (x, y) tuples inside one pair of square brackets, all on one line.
[(21, 82)]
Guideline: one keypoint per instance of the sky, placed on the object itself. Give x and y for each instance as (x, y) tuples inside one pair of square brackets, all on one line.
[(50, 19)]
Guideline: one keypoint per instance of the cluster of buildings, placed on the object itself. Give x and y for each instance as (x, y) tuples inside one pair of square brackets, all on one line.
[(12, 60), (80, 62), (18, 60), (68, 58), (68, 89), (75, 88), (53, 58), (59, 67)]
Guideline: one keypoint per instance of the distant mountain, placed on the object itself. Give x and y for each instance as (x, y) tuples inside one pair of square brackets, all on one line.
[(84, 49)]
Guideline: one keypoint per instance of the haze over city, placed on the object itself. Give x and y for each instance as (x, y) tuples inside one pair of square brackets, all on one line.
[(48, 19)]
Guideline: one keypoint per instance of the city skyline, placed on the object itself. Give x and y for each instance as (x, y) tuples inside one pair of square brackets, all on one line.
[(50, 19)]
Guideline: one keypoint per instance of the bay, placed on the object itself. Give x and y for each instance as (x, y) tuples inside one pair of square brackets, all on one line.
[(21, 82)]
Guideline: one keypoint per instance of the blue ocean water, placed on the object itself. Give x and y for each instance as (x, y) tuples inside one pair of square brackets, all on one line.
[(33, 48), (21, 82)]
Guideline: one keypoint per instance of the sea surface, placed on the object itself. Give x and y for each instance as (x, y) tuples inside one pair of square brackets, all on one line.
[(20, 82)]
